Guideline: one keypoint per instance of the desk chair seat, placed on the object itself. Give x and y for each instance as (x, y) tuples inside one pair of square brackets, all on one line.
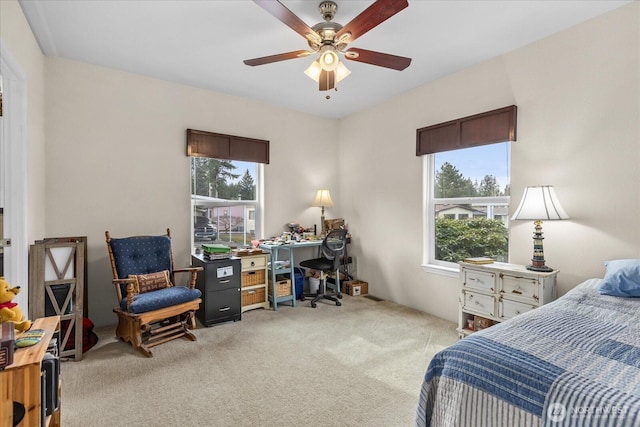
[(333, 247)]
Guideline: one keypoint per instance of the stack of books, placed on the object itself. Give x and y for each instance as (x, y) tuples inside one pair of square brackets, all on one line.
[(478, 260), (216, 251)]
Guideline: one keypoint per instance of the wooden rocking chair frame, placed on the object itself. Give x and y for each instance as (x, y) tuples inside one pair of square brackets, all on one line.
[(148, 329)]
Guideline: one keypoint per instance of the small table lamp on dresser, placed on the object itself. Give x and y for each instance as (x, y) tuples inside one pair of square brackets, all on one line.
[(539, 203)]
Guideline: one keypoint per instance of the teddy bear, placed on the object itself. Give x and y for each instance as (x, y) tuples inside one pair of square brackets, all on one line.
[(9, 311)]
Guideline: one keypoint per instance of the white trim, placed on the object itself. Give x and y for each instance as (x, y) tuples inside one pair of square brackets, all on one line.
[(442, 270), (13, 160), (428, 219)]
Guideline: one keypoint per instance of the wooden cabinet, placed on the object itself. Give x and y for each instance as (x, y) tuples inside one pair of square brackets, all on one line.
[(492, 293), (254, 282), (21, 381), (220, 287)]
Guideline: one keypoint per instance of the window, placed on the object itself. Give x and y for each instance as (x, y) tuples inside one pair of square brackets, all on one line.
[(226, 186), (224, 197), (467, 204)]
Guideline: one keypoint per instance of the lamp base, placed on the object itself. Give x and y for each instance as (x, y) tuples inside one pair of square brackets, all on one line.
[(541, 268)]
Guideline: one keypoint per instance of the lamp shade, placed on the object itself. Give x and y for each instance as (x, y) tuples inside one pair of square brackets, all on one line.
[(539, 203), (323, 199)]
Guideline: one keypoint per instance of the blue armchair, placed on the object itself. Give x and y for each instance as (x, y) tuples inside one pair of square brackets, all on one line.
[(151, 309)]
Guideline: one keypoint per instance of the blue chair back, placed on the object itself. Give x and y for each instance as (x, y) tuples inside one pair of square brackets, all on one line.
[(141, 255)]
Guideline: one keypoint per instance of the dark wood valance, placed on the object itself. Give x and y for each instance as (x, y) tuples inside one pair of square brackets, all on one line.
[(226, 147), (480, 129)]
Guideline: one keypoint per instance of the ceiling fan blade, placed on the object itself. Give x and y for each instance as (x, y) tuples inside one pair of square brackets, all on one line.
[(327, 80), (378, 58), (372, 16), (289, 18), (275, 58)]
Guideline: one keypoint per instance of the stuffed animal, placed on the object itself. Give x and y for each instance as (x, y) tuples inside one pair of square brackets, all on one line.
[(9, 311)]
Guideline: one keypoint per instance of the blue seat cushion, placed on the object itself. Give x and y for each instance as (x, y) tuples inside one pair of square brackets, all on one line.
[(161, 298)]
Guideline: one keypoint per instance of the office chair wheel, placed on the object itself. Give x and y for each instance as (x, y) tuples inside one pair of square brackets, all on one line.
[(339, 296), (314, 305), (338, 303)]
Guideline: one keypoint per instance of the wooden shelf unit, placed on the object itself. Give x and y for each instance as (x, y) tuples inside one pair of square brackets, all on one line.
[(20, 381), (254, 282)]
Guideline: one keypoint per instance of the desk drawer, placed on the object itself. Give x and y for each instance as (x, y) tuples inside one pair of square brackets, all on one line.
[(479, 303)]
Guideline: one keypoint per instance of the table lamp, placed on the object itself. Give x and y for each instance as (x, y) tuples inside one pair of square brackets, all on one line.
[(539, 203), (323, 198)]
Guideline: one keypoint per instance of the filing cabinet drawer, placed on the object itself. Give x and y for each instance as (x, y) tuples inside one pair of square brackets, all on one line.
[(220, 276), (221, 306), (519, 286), (479, 303), (509, 309), (480, 280), (254, 262)]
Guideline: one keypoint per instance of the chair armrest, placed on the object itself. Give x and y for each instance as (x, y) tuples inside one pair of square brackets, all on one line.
[(194, 274), (130, 288)]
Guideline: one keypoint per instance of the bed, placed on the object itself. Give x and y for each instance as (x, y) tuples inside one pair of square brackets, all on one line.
[(572, 362)]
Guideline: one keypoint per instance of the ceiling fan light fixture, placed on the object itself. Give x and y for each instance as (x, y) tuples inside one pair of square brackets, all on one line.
[(313, 72), (329, 58), (341, 72)]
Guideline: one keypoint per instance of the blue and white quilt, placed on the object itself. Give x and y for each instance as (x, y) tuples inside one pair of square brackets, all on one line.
[(572, 362)]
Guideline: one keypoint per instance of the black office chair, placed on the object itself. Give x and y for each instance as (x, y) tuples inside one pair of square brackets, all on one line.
[(333, 248)]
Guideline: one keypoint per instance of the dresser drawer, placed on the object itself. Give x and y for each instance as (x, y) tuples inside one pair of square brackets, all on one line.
[(250, 263), (480, 280), (509, 309), (479, 303), (519, 286)]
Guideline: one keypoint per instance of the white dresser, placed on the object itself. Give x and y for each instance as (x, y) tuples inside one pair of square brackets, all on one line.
[(493, 293)]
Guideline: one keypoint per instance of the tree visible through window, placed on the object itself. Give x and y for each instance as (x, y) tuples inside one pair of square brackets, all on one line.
[(224, 200), (469, 204)]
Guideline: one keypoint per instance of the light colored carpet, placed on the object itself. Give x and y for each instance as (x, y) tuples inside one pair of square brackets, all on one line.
[(360, 364)]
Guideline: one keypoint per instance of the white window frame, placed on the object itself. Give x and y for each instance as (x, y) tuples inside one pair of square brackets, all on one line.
[(258, 203), (429, 263)]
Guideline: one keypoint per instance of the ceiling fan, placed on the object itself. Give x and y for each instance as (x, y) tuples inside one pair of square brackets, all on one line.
[(328, 39)]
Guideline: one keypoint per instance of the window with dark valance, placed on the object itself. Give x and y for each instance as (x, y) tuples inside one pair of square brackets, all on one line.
[(472, 131), (226, 147)]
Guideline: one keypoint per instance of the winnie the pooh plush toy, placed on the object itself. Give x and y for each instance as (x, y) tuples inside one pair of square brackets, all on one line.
[(9, 311)]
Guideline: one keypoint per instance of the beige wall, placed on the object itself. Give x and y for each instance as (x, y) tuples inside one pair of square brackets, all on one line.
[(577, 94), (115, 156)]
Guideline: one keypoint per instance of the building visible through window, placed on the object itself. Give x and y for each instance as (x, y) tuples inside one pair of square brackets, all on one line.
[(468, 204), (224, 198)]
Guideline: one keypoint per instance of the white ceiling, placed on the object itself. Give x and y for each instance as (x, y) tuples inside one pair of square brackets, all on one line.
[(203, 43)]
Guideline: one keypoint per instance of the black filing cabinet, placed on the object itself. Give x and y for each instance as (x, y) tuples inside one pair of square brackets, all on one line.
[(221, 289)]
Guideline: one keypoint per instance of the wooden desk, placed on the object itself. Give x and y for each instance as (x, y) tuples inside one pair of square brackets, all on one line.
[(20, 381)]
